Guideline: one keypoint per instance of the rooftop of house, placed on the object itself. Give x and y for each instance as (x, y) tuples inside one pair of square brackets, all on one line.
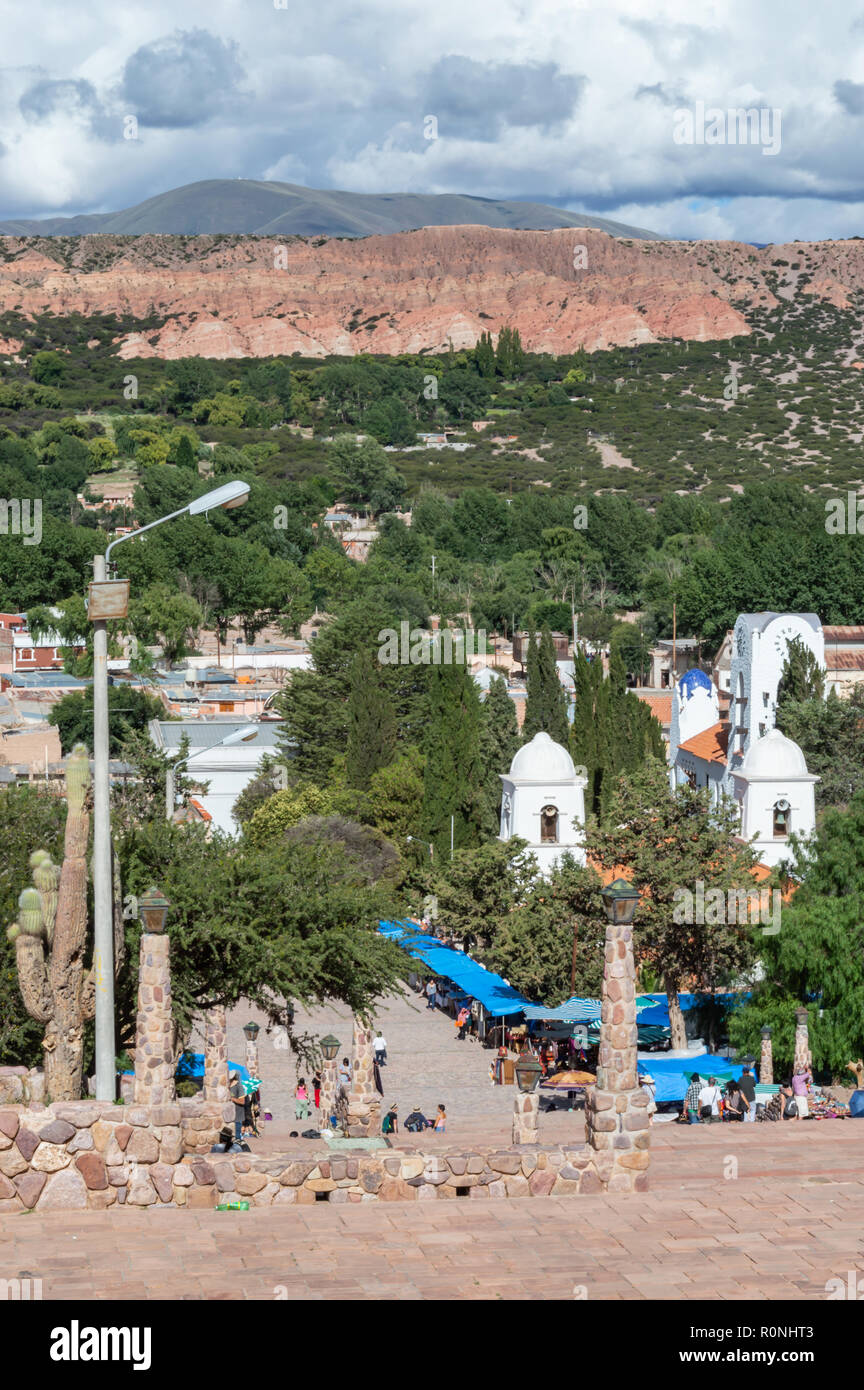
[(711, 745), (201, 734)]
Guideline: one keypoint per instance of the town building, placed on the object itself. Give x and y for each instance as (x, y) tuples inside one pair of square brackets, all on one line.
[(543, 802)]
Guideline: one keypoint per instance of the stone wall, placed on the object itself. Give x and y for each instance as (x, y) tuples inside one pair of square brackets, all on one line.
[(77, 1154), (89, 1156)]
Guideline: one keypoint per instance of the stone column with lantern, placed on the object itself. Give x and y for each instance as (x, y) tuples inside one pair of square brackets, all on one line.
[(766, 1060), (250, 1033), (616, 1114), (364, 1106), (526, 1102), (154, 1033), (802, 1059), (330, 1046)]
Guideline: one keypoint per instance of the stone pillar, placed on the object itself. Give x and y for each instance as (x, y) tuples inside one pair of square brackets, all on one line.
[(526, 1107), (616, 1114), (154, 1033), (364, 1105), (802, 1041), (216, 1055), (252, 1057), (329, 1092), (766, 1060)]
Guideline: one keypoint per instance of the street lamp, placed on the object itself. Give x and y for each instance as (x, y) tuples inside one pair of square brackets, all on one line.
[(620, 900), (412, 840), (330, 1047), (153, 908), (229, 495), (251, 1031), (244, 735)]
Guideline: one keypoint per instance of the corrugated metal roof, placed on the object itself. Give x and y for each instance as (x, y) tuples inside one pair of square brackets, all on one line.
[(207, 735)]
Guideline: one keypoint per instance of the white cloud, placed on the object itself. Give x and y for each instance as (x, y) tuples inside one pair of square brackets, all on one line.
[(542, 99)]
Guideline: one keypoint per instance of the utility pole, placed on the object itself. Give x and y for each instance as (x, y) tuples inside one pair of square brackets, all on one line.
[(103, 924)]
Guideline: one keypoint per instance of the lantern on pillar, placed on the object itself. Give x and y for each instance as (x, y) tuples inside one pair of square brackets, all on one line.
[(528, 1072), (330, 1047), (620, 899), (153, 908)]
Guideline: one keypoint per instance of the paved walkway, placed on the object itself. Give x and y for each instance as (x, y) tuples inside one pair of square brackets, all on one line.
[(734, 1212)]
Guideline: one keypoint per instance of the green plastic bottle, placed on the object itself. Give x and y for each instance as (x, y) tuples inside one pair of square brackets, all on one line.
[(233, 1206)]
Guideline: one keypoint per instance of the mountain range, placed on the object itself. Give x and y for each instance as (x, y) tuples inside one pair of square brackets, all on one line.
[(257, 208)]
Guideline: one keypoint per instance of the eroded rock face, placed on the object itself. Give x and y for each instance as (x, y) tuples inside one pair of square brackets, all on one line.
[(254, 297)]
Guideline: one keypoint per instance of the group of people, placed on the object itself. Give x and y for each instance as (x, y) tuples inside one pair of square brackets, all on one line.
[(414, 1123), (247, 1110), (707, 1103)]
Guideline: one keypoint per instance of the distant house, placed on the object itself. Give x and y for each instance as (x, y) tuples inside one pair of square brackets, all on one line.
[(227, 771)]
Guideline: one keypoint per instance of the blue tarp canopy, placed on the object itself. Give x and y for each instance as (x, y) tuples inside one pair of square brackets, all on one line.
[(497, 997), (579, 1010), (191, 1064), (659, 1012), (672, 1074)]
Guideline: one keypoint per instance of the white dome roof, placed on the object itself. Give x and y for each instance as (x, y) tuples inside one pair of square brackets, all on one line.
[(543, 760), (774, 755)]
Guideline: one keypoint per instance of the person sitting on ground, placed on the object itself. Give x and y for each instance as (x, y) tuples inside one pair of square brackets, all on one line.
[(736, 1105), (440, 1124), (390, 1123), (691, 1100), (417, 1121), (709, 1101)]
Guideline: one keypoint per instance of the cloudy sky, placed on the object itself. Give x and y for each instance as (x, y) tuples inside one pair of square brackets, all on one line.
[(565, 101)]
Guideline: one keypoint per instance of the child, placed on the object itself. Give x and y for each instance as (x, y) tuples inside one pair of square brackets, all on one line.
[(301, 1101), (441, 1120)]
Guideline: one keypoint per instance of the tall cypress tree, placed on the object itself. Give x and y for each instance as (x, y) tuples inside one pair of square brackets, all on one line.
[(499, 740), (371, 741), (546, 706), (452, 775)]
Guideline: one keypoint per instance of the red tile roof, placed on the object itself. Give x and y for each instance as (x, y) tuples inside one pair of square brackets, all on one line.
[(711, 745), (660, 706), (844, 661)]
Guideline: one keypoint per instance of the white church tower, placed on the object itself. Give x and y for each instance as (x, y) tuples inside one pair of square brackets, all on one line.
[(776, 794), (542, 796)]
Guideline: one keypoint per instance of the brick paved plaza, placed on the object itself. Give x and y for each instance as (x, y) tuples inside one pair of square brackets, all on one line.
[(734, 1212)]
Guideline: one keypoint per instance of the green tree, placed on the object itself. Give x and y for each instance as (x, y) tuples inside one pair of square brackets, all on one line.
[(671, 841), (499, 740), (129, 710), (452, 747), (546, 705), (48, 368), (394, 797), (801, 677), (166, 618), (368, 477), (478, 888), (371, 722), (828, 732), (555, 934)]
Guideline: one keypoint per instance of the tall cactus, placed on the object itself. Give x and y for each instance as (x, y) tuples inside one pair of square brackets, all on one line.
[(50, 938)]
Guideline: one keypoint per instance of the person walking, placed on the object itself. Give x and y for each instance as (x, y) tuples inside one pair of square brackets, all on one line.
[(379, 1045), (316, 1089), (301, 1101), (748, 1091), (430, 994), (238, 1095), (463, 1018), (691, 1100)]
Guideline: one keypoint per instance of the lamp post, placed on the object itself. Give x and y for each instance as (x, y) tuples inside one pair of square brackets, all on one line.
[(330, 1047), (766, 1059), (102, 595), (244, 735), (154, 1028), (616, 1114), (413, 840), (250, 1033), (526, 1102)]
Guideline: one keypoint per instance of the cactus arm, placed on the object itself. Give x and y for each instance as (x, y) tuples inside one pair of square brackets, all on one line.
[(33, 977)]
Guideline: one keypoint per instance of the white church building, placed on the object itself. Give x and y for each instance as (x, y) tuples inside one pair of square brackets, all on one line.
[(543, 802), (728, 741)]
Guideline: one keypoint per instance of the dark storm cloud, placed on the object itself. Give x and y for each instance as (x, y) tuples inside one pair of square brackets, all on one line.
[(477, 99), (850, 96), (183, 79)]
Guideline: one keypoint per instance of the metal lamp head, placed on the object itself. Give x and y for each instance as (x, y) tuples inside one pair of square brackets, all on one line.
[(153, 908), (330, 1047), (251, 1031), (528, 1072), (766, 1031), (620, 900)]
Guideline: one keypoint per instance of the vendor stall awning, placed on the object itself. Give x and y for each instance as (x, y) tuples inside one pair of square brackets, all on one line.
[(579, 1010), (497, 997)]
